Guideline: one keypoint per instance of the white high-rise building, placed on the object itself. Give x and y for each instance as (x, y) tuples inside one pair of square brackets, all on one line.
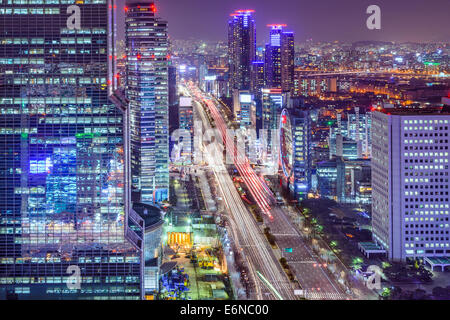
[(186, 130), (410, 183)]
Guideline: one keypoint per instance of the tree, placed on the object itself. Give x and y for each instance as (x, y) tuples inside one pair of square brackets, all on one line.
[(386, 293)]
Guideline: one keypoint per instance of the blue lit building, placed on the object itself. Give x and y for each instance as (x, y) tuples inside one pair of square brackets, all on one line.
[(331, 179), (186, 133), (152, 217), (273, 101), (257, 80), (241, 48), (301, 131), (147, 90), (351, 136), (295, 148), (279, 59), (63, 179), (244, 108)]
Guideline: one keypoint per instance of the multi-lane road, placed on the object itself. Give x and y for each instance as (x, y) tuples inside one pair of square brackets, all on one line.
[(243, 228), (311, 273)]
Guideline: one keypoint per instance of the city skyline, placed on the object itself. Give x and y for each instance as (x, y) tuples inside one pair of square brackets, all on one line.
[(250, 168), (326, 20)]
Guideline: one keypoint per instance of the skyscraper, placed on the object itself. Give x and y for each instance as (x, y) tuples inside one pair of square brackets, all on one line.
[(279, 58), (241, 48), (273, 102), (186, 126), (301, 144), (62, 161), (359, 123), (410, 189), (147, 91), (257, 80)]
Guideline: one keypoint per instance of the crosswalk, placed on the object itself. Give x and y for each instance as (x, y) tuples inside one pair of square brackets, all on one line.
[(325, 296)]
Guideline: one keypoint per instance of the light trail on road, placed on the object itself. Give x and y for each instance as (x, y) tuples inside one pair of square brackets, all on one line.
[(310, 272), (245, 231), (258, 188)]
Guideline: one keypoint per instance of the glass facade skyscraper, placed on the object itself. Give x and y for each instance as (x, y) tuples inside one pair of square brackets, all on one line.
[(62, 161), (241, 48), (148, 93), (279, 58)]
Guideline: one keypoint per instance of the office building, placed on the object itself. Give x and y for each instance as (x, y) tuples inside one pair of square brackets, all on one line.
[(244, 109), (147, 91), (410, 189), (273, 101), (331, 179), (295, 143), (63, 205), (152, 235), (313, 86), (172, 76), (279, 59), (241, 48), (358, 129), (257, 80), (186, 133)]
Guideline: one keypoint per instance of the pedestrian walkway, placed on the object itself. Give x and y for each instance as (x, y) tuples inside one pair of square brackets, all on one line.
[(326, 296)]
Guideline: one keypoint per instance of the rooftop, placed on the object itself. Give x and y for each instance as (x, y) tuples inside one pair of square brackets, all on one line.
[(415, 111), (151, 214)]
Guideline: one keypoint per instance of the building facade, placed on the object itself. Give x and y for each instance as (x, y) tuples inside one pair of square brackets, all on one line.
[(273, 101), (279, 59), (147, 90), (257, 80), (244, 109), (410, 172), (241, 48), (186, 126), (300, 126), (63, 221)]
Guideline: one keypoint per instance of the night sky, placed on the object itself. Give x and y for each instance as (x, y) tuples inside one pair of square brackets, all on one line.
[(319, 20)]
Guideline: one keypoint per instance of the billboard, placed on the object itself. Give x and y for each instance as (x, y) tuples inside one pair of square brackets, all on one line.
[(185, 101), (245, 98)]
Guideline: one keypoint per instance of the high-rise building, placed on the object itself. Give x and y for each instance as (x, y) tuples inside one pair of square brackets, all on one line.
[(63, 207), (295, 142), (147, 91), (186, 126), (287, 61), (257, 80), (358, 129), (279, 58), (273, 101), (410, 189), (172, 83), (310, 85), (350, 137), (331, 178), (244, 109), (241, 48)]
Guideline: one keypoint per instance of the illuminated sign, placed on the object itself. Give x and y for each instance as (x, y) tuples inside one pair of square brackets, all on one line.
[(245, 98), (185, 101)]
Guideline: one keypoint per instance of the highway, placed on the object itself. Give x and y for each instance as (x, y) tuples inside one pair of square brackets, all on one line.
[(310, 272), (258, 188), (245, 232), (307, 266)]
